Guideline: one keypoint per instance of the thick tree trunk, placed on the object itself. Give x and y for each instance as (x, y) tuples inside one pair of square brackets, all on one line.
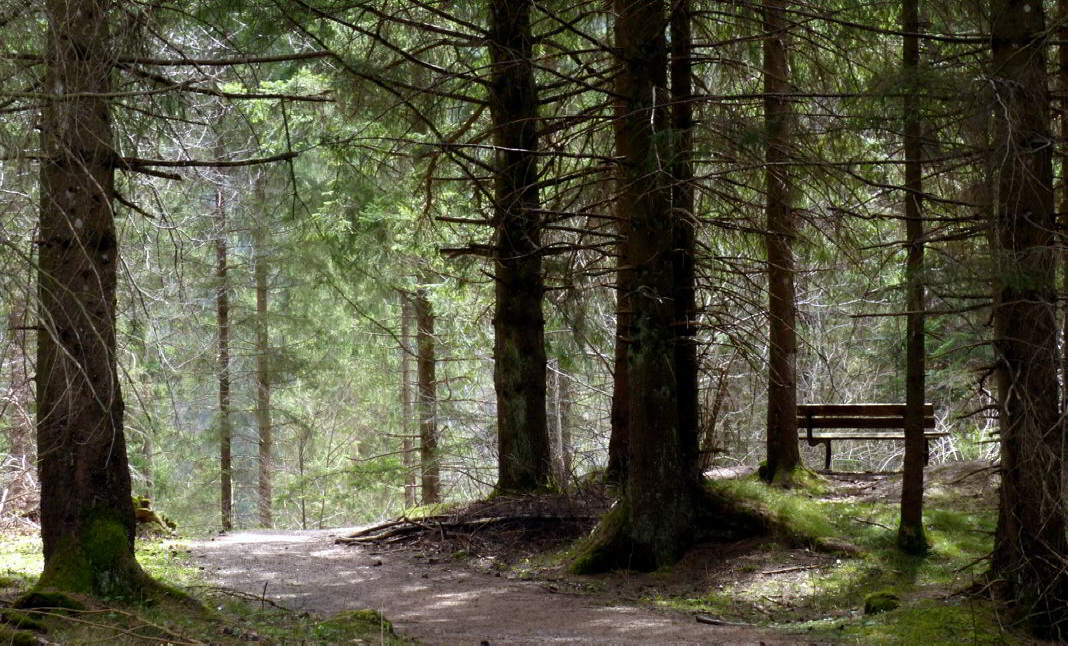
[(685, 240), (411, 477), (1062, 80), (619, 440), (87, 521), (783, 454), (524, 463), (910, 533), (1030, 548), (263, 375), (428, 399), (222, 322), (653, 523)]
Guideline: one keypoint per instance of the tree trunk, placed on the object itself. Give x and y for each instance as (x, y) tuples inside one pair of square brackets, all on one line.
[(783, 454), (910, 534), (428, 399), (87, 521), (222, 311), (524, 463), (559, 432), (654, 521), (1029, 544), (411, 484), (1062, 80), (685, 242), (263, 371), (619, 440), (19, 400)]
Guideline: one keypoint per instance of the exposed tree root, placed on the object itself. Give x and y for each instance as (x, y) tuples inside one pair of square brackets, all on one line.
[(496, 526)]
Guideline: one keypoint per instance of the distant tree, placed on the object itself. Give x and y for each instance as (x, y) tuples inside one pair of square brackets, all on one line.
[(1030, 546), (407, 351), (428, 400), (263, 360), (87, 521), (222, 327), (17, 403)]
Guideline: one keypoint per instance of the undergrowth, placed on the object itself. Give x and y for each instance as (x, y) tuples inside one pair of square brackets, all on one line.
[(225, 618)]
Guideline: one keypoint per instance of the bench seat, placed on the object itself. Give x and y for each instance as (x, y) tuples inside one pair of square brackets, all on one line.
[(863, 419)]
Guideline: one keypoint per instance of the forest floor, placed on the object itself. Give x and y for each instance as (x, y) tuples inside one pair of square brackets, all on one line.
[(464, 587)]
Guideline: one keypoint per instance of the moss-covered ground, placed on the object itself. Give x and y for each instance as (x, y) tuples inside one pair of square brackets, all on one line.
[(819, 596), (224, 618)]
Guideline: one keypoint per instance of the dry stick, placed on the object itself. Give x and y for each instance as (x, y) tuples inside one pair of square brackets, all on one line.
[(239, 594), (964, 477), (800, 568), (712, 621), (869, 522)]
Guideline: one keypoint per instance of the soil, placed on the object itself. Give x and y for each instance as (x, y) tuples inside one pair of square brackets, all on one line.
[(446, 600), (490, 587)]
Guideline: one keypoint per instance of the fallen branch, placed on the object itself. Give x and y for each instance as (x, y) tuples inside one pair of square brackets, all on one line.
[(238, 594), (800, 568), (712, 621)]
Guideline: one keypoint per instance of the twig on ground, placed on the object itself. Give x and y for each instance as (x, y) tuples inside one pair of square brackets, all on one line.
[(712, 621), (800, 568), (238, 594), (869, 522)]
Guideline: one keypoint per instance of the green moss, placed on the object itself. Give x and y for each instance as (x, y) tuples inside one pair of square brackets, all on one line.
[(22, 621), (600, 551), (15, 637), (912, 540), (796, 513), (41, 599), (372, 617), (882, 601)]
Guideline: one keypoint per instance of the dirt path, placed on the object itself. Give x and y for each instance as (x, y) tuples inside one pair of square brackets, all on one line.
[(441, 602)]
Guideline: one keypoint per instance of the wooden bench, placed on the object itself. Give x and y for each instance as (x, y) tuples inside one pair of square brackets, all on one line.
[(860, 422)]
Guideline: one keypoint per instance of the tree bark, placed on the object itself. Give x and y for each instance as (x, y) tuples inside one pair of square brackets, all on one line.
[(411, 483), (1062, 80), (524, 462), (685, 236), (619, 440), (222, 316), (910, 533), (87, 521), (263, 371), (428, 399), (783, 454), (1030, 547), (654, 521)]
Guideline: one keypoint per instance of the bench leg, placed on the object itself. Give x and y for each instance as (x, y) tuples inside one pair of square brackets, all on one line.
[(926, 451), (827, 455)]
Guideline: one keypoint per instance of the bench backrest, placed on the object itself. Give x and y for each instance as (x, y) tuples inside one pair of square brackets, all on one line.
[(858, 415)]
